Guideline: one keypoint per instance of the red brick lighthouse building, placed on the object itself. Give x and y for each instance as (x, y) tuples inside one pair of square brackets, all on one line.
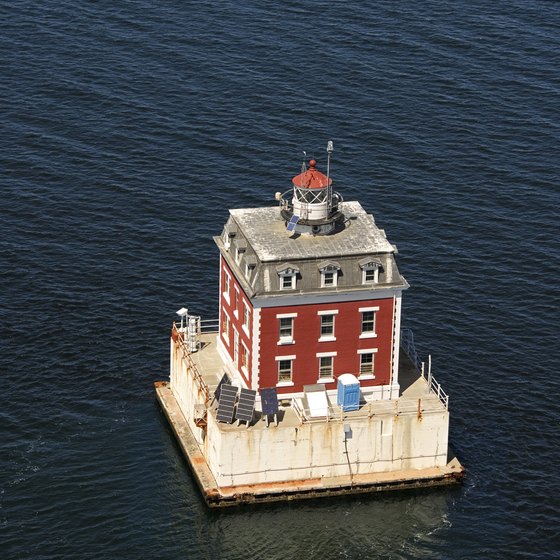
[(309, 333), (309, 292)]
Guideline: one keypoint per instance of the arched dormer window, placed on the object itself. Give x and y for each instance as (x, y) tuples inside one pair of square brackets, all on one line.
[(287, 276), (329, 274), (370, 270)]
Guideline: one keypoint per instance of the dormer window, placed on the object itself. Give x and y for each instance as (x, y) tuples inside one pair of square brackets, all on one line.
[(250, 264), (230, 232), (329, 274), (287, 276), (240, 248), (370, 270)]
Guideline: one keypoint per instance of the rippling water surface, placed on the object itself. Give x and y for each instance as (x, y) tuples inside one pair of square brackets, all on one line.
[(129, 129)]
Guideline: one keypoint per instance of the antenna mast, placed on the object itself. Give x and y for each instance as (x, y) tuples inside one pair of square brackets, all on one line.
[(330, 150)]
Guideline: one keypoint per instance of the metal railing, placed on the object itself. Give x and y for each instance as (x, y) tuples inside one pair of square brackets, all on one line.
[(207, 326), (370, 409), (192, 368), (433, 385), (407, 344)]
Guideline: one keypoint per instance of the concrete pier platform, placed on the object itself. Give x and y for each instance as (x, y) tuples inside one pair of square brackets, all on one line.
[(223, 496)]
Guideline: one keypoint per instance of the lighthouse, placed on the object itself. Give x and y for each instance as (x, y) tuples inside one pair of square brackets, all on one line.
[(307, 384)]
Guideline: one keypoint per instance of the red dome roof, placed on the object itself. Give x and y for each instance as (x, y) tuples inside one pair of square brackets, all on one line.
[(312, 178)]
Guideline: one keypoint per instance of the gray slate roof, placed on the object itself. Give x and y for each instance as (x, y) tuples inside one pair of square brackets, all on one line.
[(266, 233)]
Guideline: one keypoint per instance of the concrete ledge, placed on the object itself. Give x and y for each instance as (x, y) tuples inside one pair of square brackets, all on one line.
[(216, 496)]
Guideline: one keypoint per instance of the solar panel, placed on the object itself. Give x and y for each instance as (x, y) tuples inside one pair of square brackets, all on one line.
[(225, 380), (292, 223), (226, 404), (269, 401), (246, 405)]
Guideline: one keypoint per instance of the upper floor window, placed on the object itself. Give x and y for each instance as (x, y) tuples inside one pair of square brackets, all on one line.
[(329, 274), (326, 329), (327, 325), (246, 317), (236, 301), (368, 321), (286, 328), (227, 282)]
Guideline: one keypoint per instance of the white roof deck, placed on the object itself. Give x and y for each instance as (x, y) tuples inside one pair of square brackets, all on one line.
[(266, 231)]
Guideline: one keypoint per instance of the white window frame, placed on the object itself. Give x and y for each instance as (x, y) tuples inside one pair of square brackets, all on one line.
[(368, 269), (368, 333), (235, 347), (285, 339), (225, 331), (246, 317), (283, 281), (236, 302), (320, 356), (327, 337), (227, 285), (367, 352), (245, 359), (334, 278), (286, 382)]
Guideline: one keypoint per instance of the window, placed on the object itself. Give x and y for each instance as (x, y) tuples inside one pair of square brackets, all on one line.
[(329, 278), (287, 276), (370, 270), (236, 302), (235, 347), (370, 275), (239, 252), (366, 364), (288, 282), (227, 281), (246, 317), (284, 371), (327, 326), (368, 321), (329, 274), (326, 367), (286, 328), (250, 264), (244, 357), (225, 328)]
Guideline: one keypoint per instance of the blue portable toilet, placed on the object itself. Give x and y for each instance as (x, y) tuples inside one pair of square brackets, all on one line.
[(348, 392)]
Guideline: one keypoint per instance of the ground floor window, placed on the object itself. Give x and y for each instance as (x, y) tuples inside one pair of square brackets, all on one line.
[(326, 367), (284, 371), (366, 364)]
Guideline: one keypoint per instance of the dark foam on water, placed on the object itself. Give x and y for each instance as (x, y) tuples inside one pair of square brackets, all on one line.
[(128, 132)]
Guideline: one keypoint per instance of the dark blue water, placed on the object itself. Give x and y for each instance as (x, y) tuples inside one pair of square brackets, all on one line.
[(127, 131)]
